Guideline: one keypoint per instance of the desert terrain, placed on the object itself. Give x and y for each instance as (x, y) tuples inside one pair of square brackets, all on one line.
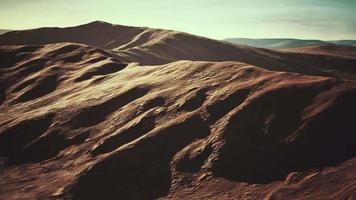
[(103, 111)]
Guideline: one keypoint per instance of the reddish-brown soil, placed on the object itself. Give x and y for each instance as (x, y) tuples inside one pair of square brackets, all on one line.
[(137, 113)]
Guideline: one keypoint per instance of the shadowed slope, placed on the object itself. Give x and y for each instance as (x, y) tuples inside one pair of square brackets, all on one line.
[(104, 34)]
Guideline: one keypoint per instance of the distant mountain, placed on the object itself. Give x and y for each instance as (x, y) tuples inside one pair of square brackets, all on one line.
[(285, 43), (327, 49), (344, 42)]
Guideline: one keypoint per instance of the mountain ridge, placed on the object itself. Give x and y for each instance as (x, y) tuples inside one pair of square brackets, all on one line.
[(286, 43), (327, 49), (157, 46)]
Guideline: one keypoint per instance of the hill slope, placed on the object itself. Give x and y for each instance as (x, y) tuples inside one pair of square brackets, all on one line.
[(84, 121), (156, 46), (94, 127), (99, 34), (2, 31)]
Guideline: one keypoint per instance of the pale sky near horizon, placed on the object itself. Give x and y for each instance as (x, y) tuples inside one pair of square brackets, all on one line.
[(218, 19)]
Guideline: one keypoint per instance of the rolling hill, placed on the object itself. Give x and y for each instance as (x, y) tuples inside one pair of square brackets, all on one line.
[(156, 46), (102, 111)]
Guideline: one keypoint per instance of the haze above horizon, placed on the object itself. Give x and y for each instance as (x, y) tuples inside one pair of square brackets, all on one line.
[(218, 19)]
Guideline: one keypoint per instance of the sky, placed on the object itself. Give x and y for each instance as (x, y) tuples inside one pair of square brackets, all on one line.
[(218, 19)]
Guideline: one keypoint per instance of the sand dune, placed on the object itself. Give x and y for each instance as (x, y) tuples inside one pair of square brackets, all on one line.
[(85, 122)]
